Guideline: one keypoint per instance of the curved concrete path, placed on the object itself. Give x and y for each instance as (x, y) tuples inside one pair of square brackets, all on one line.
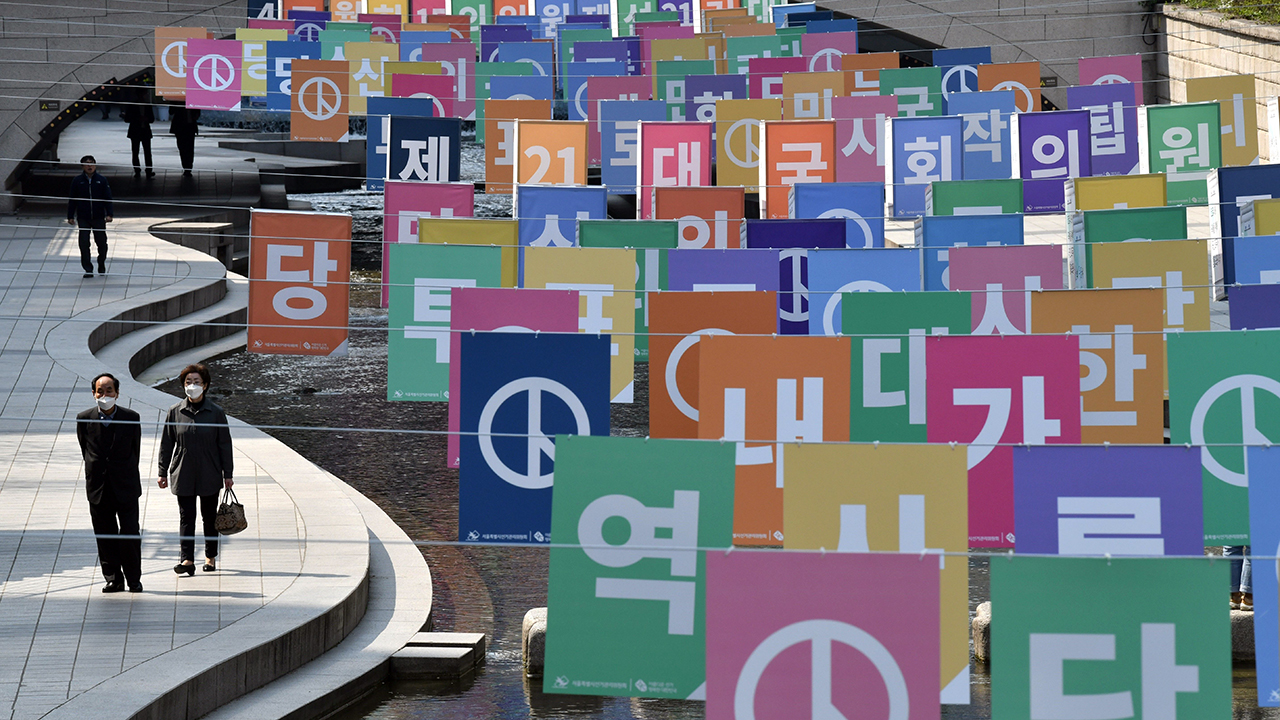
[(295, 585)]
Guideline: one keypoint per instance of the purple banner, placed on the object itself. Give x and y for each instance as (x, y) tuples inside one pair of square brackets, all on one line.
[(1052, 146), (702, 91), (1113, 126), (793, 239), (1255, 306), (1108, 500), (722, 270)]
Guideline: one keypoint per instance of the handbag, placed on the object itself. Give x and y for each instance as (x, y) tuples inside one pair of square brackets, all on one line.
[(230, 518)]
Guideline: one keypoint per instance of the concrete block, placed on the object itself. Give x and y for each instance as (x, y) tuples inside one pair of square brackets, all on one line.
[(1242, 635), (476, 641), (432, 663), (533, 641), (982, 632)]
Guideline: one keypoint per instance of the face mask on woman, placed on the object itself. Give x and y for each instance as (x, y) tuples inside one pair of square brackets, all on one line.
[(106, 403), (195, 391)]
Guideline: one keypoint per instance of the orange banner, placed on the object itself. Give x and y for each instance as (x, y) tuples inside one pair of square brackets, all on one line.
[(709, 217), (299, 274), (794, 152), (1022, 78), (171, 59), (862, 71), (319, 100), (551, 152), (500, 118), (765, 393), (678, 321)]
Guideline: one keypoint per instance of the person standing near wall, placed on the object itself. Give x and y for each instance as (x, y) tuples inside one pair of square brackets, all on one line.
[(90, 207), (185, 125)]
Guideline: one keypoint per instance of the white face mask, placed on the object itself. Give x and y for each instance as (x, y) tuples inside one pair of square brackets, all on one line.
[(195, 391), (106, 403)]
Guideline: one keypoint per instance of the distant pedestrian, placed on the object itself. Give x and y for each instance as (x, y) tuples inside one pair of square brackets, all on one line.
[(90, 208), (1241, 577), (110, 441), (195, 451), (139, 115), (185, 125)]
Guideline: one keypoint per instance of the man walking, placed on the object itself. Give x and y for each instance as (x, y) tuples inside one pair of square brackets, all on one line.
[(111, 441), (90, 207), (185, 125)]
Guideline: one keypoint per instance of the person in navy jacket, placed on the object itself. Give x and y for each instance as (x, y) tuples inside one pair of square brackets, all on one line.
[(90, 208)]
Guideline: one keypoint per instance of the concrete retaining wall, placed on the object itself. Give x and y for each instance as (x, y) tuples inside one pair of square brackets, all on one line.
[(1200, 43)]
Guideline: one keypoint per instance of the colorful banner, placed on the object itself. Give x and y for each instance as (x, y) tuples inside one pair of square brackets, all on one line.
[(503, 234), (650, 239), (901, 499), (1108, 501), (280, 57), (1124, 69), (974, 197), (704, 92), (793, 153), (1184, 143), (299, 272), (860, 204), (708, 217), (1238, 101), (1264, 498), (1091, 227), (512, 413), (1116, 192), (678, 321), (730, 270), (630, 614), (918, 89), (860, 136), (551, 152), (253, 58), (862, 73), (938, 234), (619, 127), (367, 79), (405, 203), (835, 273), (1003, 279), (1177, 266), (458, 60), (1113, 127), (960, 67), (987, 140), (1070, 650), (501, 310), (862, 652), (213, 74), (1121, 357), (672, 155), (1052, 147), (993, 392), (378, 140), (794, 389), (1230, 189), (1023, 78), (888, 365), (1234, 399), (925, 150), (808, 96), (548, 215), (823, 50), (764, 81), (425, 149), (318, 109), (171, 59), (606, 283), (420, 345), (500, 117), (794, 239), (739, 124)]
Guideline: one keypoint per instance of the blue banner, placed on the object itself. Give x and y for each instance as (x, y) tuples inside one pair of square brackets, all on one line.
[(937, 234), (736, 270), (411, 42), (518, 87), (549, 215), (551, 14), (425, 149), (537, 54), (618, 137), (861, 204), (925, 150), (960, 67), (1264, 533), (519, 391), (378, 131), (575, 83), (280, 57), (988, 148), (1234, 187), (835, 272)]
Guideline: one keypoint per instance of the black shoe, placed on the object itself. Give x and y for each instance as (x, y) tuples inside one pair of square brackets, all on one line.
[(102, 269), (186, 173), (114, 586), (88, 275), (209, 567), (137, 172), (151, 173), (135, 588), (185, 568)]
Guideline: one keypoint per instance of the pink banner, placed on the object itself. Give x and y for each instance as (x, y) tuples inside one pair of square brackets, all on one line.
[(860, 142), (1115, 69), (504, 310), (404, 203), (631, 87), (1002, 280), (442, 89), (385, 26), (822, 51), (213, 74), (988, 390), (424, 9), (857, 634), (672, 154), (269, 24), (459, 60), (764, 75)]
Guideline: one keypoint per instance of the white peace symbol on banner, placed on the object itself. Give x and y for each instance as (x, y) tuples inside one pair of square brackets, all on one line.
[(538, 444), (867, 239), (753, 150), (179, 46), (963, 70), (216, 66), (1110, 79), (673, 364), (1015, 85), (821, 633), (827, 53), (1249, 433), (833, 302), (323, 108)]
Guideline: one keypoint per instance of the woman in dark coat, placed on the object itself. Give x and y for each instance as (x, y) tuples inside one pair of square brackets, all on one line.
[(195, 456)]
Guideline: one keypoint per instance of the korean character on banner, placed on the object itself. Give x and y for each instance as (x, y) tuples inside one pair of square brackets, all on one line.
[(1186, 147), (960, 71), (926, 150), (860, 136), (551, 13), (345, 10), (1050, 151), (1113, 126), (988, 151), (982, 133), (425, 149), (1106, 120), (919, 90), (619, 139)]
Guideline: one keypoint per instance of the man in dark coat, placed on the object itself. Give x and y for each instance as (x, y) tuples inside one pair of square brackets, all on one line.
[(111, 440), (140, 116), (185, 125), (90, 207)]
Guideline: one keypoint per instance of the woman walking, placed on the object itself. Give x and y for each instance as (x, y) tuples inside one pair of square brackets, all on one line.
[(195, 457)]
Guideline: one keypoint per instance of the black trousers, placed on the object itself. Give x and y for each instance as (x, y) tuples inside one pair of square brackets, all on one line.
[(146, 148), (100, 237), (118, 556), (186, 150), (187, 524)]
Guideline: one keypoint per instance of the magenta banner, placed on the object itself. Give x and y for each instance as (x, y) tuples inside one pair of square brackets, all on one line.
[(860, 142), (213, 74), (1002, 279)]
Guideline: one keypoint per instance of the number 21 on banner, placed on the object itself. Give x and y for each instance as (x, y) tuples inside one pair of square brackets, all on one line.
[(551, 152)]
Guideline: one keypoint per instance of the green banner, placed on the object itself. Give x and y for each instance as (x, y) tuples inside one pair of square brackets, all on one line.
[(919, 90), (1224, 388), (1110, 638), (1184, 142), (1098, 226), (418, 340), (626, 609), (649, 238), (973, 197), (887, 384), (740, 50)]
